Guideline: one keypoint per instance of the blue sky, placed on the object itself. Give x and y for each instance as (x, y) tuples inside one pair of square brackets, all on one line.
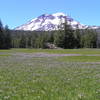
[(17, 12)]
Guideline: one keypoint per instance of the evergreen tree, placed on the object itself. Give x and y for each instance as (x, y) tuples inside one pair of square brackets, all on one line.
[(41, 40), (7, 38), (29, 41), (2, 36), (1, 26), (59, 38), (77, 35), (59, 35), (88, 39), (23, 41), (69, 38)]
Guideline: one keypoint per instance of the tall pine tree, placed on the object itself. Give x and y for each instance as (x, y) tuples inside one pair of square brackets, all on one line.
[(69, 39), (2, 37), (7, 38)]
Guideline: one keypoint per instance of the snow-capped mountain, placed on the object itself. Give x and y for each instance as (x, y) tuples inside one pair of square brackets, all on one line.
[(47, 22)]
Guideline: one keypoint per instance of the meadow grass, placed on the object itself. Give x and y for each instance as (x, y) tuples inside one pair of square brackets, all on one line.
[(49, 78), (79, 58), (4, 55), (54, 51), (63, 51)]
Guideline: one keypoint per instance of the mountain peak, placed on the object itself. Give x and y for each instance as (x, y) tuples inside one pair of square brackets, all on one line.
[(48, 22), (59, 14)]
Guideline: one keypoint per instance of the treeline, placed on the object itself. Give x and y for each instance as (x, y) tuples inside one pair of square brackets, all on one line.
[(66, 38), (5, 37)]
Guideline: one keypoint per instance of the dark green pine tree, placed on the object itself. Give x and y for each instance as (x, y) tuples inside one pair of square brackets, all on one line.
[(69, 39), (89, 38), (22, 43), (2, 36), (29, 41), (41, 40), (7, 38), (59, 35), (77, 35), (59, 38)]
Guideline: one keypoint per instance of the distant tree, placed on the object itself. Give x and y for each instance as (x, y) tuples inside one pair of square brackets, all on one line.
[(29, 41), (23, 41), (59, 35), (41, 40), (50, 37), (59, 38), (2, 36), (8, 38), (64, 37), (89, 38), (33, 38), (1, 26), (69, 38), (77, 35)]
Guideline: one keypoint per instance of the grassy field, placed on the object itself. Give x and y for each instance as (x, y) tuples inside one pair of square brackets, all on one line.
[(58, 51), (26, 77)]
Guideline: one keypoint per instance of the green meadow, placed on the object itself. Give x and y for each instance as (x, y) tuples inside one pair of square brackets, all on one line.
[(26, 76), (58, 51)]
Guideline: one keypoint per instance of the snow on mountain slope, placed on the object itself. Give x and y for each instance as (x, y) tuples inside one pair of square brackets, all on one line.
[(47, 22)]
